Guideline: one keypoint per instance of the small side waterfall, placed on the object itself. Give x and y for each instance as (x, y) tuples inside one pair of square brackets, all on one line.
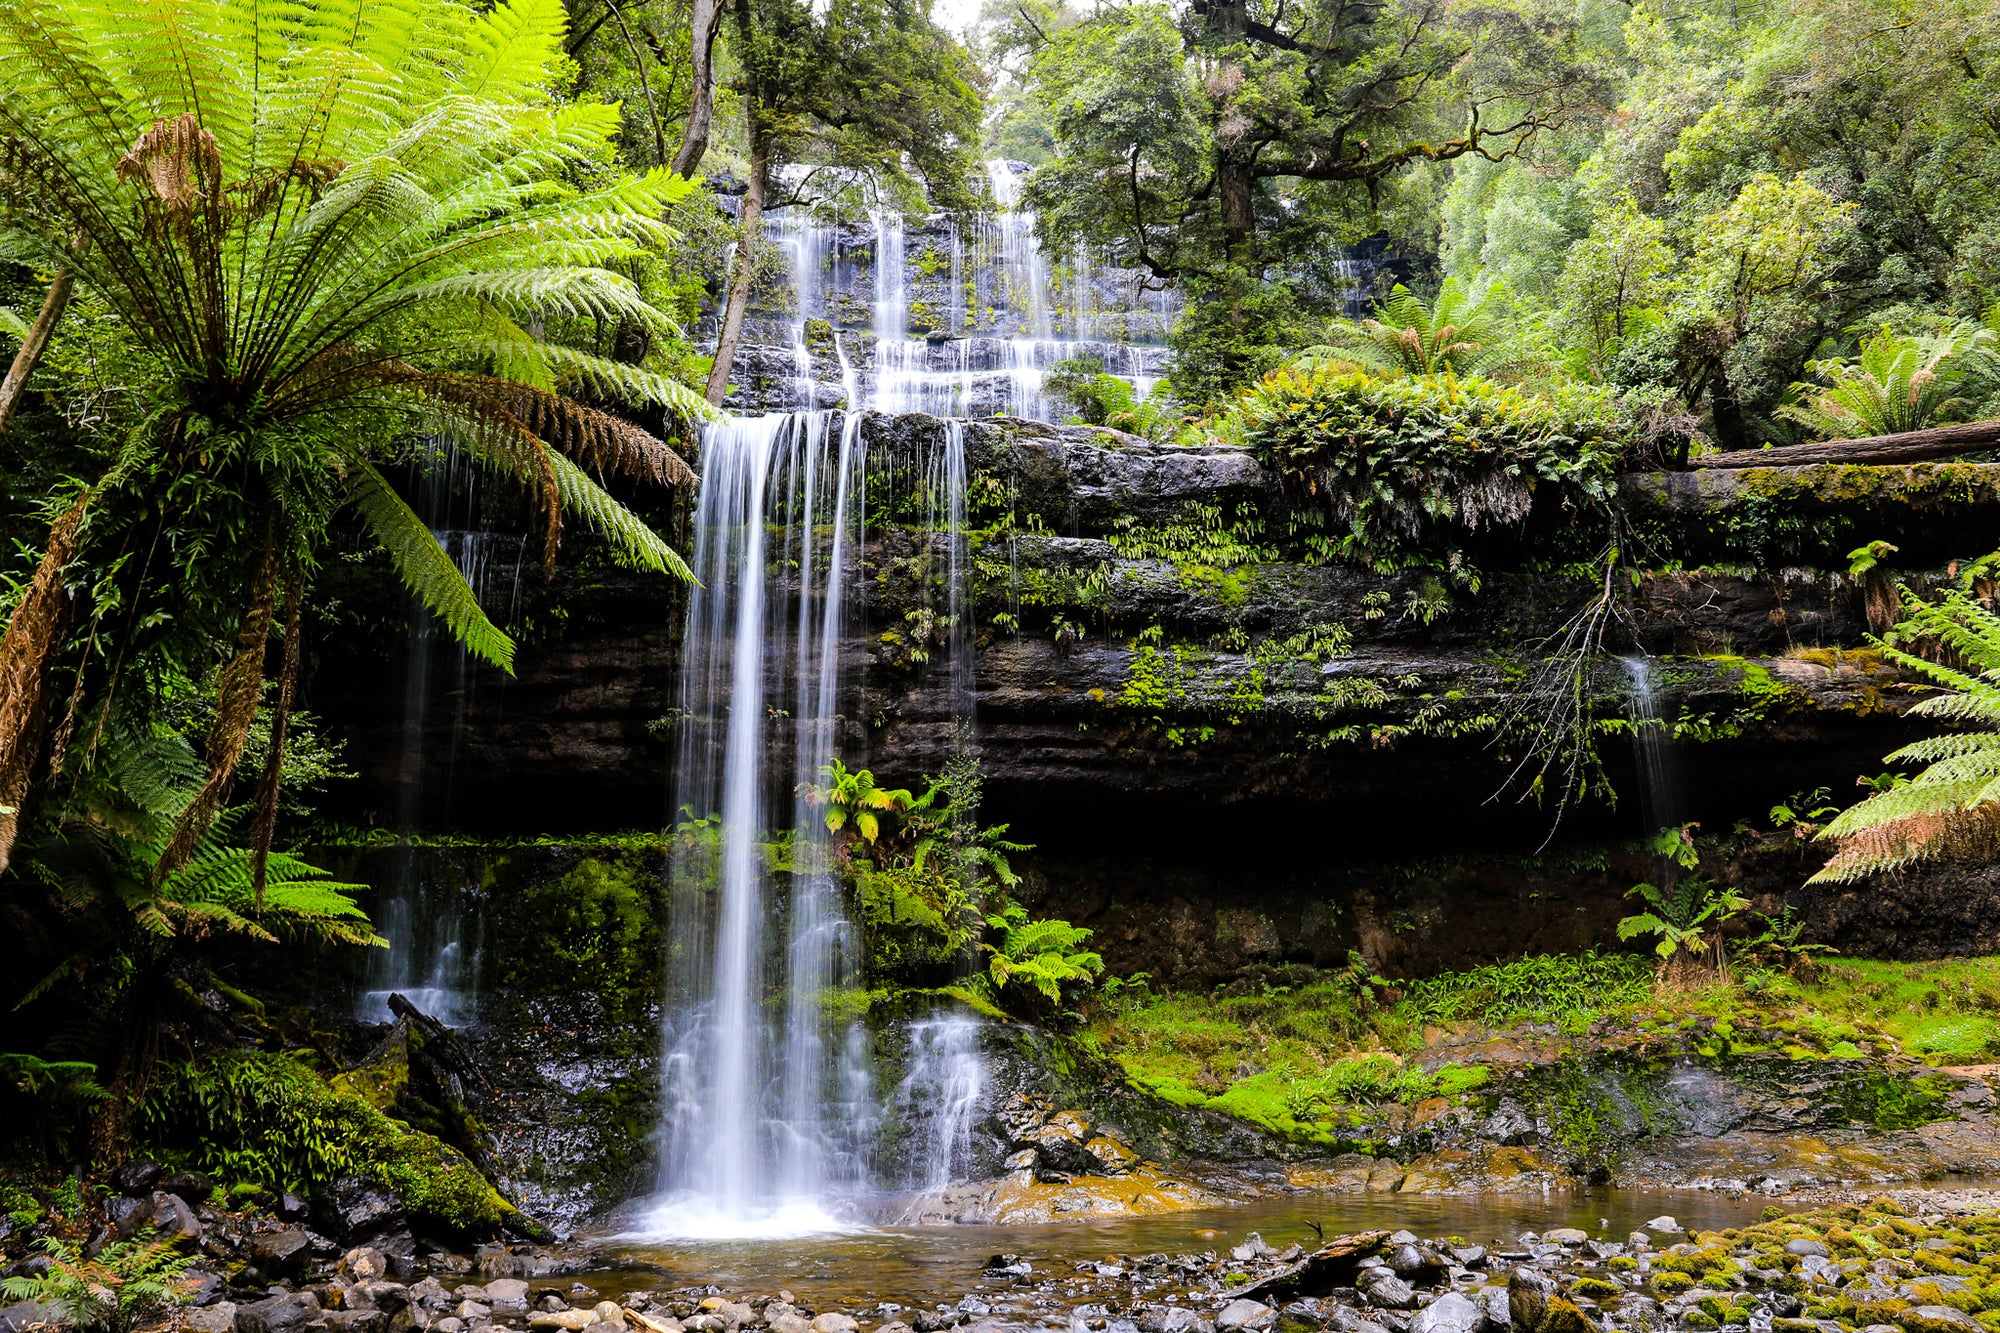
[(1659, 796), (433, 957), (941, 1093)]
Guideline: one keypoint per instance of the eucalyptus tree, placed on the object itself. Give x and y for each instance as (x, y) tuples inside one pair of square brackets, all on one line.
[(328, 229)]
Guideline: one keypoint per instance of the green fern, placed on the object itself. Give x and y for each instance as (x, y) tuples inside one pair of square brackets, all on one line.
[(332, 224), (1041, 955), (1461, 332), (1897, 384), (1951, 809)]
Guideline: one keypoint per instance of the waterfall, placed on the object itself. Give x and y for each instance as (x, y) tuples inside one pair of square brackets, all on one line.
[(757, 1143), (1658, 794), (955, 317), (943, 1087), (430, 960)]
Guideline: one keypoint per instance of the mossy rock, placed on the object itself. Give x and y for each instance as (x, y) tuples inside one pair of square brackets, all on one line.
[(1596, 1288), (1671, 1283), (1564, 1316), (1701, 1320)]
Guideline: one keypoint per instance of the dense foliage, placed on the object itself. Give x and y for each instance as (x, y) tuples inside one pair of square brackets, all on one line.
[(1411, 460)]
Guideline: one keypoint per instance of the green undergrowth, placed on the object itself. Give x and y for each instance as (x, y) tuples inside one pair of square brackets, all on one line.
[(272, 1120), (1319, 1062)]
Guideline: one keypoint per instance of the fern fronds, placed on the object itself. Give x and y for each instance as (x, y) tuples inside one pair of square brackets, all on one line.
[(1951, 809), (426, 569)]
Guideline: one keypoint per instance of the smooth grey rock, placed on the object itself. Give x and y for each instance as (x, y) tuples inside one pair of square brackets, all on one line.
[(1804, 1247), (1449, 1313), (1169, 1319), (358, 1321), (1565, 1236), (1384, 1289), (25, 1315), (281, 1253), (1493, 1307), (365, 1263), (288, 1313), (1528, 1295), (136, 1175), (217, 1318), (1944, 1314), (1252, 1316), (172, 1219), (1349, 1320), (1664, 1226), (833, 1321), (507, 1293)]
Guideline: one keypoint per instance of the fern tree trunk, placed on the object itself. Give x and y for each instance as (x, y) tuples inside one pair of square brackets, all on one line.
[(744, 271), (25, 652), (239, 687)]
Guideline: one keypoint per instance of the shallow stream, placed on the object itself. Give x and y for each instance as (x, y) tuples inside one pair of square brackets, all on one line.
[(929, 1265)]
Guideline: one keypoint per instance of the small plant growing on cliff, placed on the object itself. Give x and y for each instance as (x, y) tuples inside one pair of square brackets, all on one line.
[(123, 1286), (1686, 912), (1040, 956)]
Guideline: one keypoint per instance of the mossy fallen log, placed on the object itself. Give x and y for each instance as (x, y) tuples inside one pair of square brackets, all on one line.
[(1907, 447)]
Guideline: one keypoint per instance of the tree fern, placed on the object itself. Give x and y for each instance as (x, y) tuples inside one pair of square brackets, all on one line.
[(1461, 332), (1951, 808), (1896, 384), (426, 568)]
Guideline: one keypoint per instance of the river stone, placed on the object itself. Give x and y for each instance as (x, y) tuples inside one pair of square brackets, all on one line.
[(1349, 1320), (470, 1311), (1493, 1307), (833, 1322), (130, 1216), (24, 1315), (1663, 1225), (1936, 1319), (1167, 1319), (172, 1218), (1113, 1158), (1383, 1288), (448, 1324), (287, 1313), (1413, 1263), (1449, 1313), (507, 1293), (1803, 1247), (365, 1263), (1254, 1316), (895, 1326), (357, 1321), (380, 1294), (217, 1318), (570, 1319), (927, 1321), (1528, 1295), (735, 1314), (1565, 1236), (1253, 1247), (136, 1175)]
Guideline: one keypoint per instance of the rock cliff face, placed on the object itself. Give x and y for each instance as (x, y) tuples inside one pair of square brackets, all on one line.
[(1220, 742)]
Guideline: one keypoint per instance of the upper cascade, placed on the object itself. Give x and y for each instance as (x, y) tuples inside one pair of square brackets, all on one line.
[(956, 316)]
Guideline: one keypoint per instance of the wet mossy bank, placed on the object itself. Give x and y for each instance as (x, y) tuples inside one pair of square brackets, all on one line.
[(1284, 1075)]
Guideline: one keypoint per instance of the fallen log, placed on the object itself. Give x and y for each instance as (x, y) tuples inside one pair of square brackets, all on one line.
[(1913, 446), (1319, 1272)]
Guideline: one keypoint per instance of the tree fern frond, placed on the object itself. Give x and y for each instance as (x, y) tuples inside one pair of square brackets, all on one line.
[(426, 569), (631, 540)]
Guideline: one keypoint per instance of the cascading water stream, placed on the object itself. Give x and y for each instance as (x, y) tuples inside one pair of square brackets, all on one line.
[(943, 1088), (1658, 794), (762, 1134)]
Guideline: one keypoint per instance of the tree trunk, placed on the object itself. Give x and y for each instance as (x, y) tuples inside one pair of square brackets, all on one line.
[(1726, 412), (25, 650), (265, 825), (745, 268), (704, 22), (239, 689), (1914, 446), (15, 387), (1238, 189)]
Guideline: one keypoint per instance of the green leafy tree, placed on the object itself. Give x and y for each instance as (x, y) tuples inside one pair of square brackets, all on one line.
[(326, 228), (1612, 281), (1950, 809)]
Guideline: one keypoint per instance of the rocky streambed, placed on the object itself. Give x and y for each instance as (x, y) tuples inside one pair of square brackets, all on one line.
[(1917, 1261)]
